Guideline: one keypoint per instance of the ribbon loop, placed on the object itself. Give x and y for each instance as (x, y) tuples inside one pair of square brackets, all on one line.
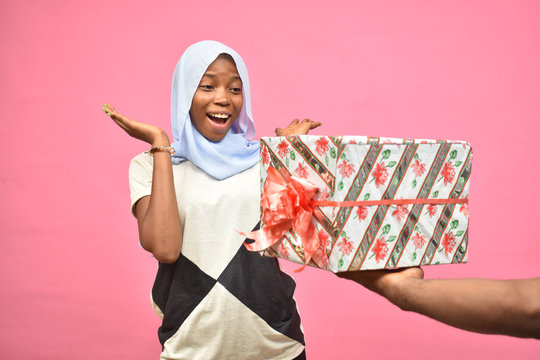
[(286, 206)]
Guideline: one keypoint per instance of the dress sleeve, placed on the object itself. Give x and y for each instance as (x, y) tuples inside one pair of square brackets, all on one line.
[(140, 178)]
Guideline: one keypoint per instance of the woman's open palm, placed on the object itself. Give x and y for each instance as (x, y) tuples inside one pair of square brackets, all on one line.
[(139, 130)]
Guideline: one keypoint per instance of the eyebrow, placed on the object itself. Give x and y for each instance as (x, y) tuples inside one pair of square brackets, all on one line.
[(213, 75)]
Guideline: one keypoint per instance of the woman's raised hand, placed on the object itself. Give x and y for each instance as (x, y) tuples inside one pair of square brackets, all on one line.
[(297, 127), (142, 131)]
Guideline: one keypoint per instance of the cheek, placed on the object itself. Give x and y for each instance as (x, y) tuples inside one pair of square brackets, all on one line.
[(196, 112), (239, 103), (198, 102)]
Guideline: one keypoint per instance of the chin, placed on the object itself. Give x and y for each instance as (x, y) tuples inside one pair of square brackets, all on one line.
[(215, 138)]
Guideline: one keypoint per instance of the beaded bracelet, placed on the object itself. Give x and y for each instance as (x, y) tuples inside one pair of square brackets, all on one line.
[(161, 148)]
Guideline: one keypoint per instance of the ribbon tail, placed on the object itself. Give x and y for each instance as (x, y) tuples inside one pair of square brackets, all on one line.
[(307, 233), (320, 258), (266, 237)]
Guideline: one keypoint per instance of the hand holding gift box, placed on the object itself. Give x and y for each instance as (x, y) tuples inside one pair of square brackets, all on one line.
[(380, 202)]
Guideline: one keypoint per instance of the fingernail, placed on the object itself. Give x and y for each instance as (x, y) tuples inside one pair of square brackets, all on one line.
[(109, 114), (103, 109)]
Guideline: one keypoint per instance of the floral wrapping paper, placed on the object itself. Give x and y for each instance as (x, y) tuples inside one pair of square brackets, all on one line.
[(356, 168)]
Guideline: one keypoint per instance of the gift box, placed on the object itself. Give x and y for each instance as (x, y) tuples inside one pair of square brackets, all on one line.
[(345, 203)]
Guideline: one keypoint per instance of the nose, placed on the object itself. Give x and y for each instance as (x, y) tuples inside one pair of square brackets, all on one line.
[(222, 97)]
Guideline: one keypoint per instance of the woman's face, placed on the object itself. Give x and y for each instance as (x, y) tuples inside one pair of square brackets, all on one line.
[(218, 100)]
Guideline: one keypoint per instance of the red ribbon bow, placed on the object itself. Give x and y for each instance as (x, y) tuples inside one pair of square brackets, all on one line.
[(286, 205)]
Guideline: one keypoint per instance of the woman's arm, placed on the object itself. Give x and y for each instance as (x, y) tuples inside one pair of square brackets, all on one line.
[(508, 307), (160, 230)]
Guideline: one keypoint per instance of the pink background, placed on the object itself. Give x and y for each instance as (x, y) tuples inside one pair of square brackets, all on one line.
[(74, 282)]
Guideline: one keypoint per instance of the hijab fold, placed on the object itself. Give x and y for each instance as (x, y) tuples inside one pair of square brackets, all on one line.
[(235, 152)]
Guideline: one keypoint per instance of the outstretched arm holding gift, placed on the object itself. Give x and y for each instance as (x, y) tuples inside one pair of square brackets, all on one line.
[(507, 307)]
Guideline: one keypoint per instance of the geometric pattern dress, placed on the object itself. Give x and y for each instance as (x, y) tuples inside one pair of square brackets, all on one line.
[(218, 300)]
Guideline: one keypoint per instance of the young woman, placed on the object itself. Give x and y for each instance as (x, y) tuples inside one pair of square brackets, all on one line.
[(216, 299)]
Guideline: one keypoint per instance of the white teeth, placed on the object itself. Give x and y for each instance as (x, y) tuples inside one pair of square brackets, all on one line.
[(221, 116)]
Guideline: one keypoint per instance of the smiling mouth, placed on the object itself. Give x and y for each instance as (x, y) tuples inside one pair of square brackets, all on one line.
[(218, 118)]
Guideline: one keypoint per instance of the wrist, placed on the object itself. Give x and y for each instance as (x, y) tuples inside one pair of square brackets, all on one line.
[(161, 139)]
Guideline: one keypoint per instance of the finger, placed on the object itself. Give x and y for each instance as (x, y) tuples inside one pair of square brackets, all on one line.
[(307, 126), (345, 275), (294, 122), (124, 127), (306, 120), (420, 272), (120, 118), (106, 109), (109, 109), (119, 121)]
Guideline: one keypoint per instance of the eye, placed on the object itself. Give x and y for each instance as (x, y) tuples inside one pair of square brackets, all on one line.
[(236, 90), (206, 87)]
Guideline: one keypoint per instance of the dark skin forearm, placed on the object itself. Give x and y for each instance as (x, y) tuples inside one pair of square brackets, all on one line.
[(160, 230), (507, 307)]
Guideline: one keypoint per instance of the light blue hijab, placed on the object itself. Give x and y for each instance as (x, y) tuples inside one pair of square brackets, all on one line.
[(235, 153)]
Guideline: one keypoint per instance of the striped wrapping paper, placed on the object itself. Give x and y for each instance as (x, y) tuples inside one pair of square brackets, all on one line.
[(359, 168)]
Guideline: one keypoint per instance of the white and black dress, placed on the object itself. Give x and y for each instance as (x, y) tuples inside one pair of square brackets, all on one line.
[(218, 300)]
